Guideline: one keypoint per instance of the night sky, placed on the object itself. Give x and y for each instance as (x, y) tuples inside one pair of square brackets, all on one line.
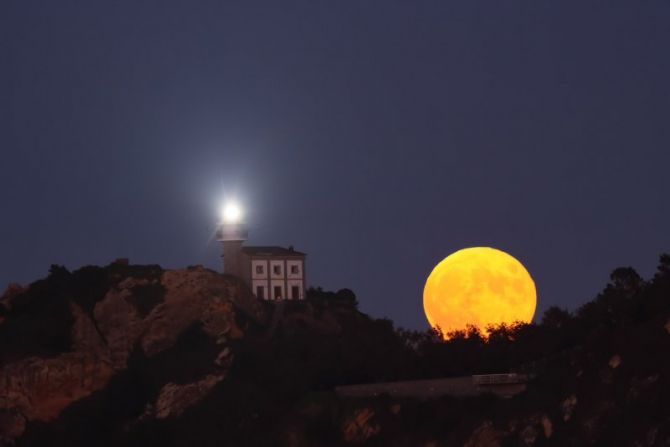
[(377, 136)]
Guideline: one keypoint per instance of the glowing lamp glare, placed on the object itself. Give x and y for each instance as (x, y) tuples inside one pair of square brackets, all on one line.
[(231, 213)]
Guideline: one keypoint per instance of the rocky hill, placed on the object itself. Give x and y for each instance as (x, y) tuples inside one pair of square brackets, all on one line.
[(72, 336), (138, 355)]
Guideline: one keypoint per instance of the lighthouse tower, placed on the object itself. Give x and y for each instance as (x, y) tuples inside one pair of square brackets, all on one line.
[(232, 232), (270, 272)]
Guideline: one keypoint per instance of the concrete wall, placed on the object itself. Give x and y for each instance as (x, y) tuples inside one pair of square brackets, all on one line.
[(277, 269), (290, 284), (294, 269), (430, 389), (274, 283), (232, 258), (276, 272), (263, 264)]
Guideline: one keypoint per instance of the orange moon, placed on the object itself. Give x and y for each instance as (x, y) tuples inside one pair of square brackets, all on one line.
[(478, 286)]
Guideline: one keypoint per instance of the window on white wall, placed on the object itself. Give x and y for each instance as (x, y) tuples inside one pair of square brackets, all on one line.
[(276, 269), (295, 269), (260, 292), (259, 269), (295, 292), (277, 292)]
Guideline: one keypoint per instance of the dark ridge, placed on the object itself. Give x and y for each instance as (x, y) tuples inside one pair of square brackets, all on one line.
[(39, 321), (90, 284), (94, 282)]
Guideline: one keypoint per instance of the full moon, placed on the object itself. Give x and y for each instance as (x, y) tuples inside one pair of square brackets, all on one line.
[(478, 286)]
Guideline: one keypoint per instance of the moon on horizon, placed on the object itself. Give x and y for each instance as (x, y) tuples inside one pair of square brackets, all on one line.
[(478, 286)]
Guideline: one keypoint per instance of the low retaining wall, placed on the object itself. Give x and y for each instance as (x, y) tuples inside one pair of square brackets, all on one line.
[(434, 388)]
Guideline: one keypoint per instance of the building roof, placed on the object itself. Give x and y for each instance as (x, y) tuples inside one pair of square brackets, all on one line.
[(271, 251)]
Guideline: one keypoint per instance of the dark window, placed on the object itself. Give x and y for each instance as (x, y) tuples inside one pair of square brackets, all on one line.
[(260, 292), (295, 269), (277, 292), (295, 292), (276, 269), (259, 269)]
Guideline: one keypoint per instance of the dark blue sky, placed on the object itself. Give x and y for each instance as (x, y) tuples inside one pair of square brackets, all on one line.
[(377, 136)]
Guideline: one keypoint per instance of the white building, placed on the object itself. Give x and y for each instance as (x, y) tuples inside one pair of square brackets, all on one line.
[(272, 273)]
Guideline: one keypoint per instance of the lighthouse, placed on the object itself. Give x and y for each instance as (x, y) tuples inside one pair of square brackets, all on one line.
[(232, 232), (270, 272)]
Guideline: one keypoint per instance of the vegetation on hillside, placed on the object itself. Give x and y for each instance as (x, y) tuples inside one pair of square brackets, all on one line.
[(600, 374)]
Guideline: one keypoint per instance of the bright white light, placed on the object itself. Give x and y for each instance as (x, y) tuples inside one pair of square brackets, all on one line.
[(231, 213)]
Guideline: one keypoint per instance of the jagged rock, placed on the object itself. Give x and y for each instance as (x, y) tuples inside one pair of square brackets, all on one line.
[(615, 361), (174, 399), (359, 427), (119, 323), (224, 359), (190, 295), (101, 343), (529, 435), (547, 426), (535, 425), (85, 336), (486, 435), (40, 388), (568, 407), (12, 425)]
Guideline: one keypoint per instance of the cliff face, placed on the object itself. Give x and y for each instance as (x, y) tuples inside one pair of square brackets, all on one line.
[(136, 312)]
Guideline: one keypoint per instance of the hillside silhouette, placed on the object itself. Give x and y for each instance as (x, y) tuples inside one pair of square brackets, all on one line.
[(138, 355)]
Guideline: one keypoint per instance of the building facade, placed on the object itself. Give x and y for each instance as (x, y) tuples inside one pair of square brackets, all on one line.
[(272, 273)]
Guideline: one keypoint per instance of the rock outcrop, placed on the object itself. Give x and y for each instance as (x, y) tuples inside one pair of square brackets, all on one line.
[(174, 399), (486, 435), (360, 426), (121, 324)]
